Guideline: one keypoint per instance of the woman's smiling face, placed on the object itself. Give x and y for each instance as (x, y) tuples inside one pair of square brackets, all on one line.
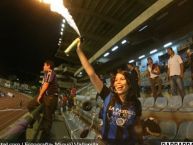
[(120, 84)]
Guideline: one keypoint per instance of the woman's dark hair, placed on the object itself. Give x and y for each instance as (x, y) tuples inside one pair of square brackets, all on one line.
[(50, 63), (131, 97)]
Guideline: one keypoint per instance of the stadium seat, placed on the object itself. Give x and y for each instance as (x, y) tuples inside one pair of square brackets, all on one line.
[(91, 134), (174, 103), (183, 130), (149, 102), (160, 103), (168, 129), (73, 125), (187, 104), (141, 99), (189, 131)]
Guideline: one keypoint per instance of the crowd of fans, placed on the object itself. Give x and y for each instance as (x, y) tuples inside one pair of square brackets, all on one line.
[(175, 75)]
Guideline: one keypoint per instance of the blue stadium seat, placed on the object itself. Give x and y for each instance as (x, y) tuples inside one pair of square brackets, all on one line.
[(149, 102), (183, 130), (168, 129), (174, 103), (160, 103), (187, 104), (190, 131)]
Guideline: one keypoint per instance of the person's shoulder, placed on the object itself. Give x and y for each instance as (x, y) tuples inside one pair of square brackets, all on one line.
[(53, 73), (177, 56), (136, 103), (105, 92), (134, 70), (191, 56)]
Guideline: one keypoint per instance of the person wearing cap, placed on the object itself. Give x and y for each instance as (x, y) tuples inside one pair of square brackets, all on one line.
[(155, 80), (189, 53), (175, 73), (121, 108)]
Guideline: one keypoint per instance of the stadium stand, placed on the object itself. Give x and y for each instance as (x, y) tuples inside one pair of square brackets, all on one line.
[(11, 108)]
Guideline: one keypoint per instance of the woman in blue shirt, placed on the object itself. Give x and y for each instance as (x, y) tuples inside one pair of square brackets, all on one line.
[(121, 110)]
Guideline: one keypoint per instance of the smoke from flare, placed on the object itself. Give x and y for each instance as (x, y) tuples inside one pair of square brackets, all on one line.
[(58, 6)]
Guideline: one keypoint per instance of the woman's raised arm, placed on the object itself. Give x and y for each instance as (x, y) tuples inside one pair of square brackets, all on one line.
[(95, 80)]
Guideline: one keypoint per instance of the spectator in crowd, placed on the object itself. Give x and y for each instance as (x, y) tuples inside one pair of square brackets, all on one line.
[(73, 91), (122, 109), (190, 62), (175, 72), (151, 127), (65, 99), (138, 73), (73, 94), (134, 78), (60, 104), (48, 96), (155, 80), (151, 131), (70, 101)]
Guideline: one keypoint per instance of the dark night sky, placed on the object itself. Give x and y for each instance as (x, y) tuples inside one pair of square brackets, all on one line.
[(29, 34)]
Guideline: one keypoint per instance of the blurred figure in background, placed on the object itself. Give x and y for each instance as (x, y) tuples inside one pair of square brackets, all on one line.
[(138, 73), (65, 100), (189, 53), (175, 73), (72, 97), (155, 80), (60, 104), (134, 78)]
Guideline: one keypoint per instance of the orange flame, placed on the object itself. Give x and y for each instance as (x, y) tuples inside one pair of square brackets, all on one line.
[(58, 7)]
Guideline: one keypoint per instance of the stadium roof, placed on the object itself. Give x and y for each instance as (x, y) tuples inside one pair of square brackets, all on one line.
[(29, 32)]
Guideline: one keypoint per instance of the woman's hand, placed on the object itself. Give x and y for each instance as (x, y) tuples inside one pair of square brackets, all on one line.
[(78, 43)]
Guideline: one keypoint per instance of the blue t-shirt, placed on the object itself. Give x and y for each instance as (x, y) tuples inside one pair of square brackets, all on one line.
[(118, 118)]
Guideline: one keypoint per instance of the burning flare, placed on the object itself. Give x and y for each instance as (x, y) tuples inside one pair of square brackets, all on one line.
[(58, 7), (72, 45)]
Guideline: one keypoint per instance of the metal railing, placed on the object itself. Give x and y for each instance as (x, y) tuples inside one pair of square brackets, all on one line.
[(17, 132)]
